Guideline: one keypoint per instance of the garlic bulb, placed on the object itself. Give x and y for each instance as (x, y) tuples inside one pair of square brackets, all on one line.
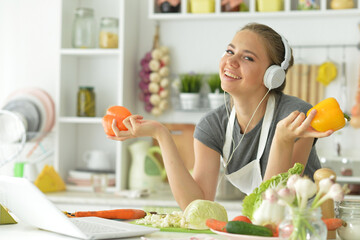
[(154, 87), (155, 77), (154, 65)]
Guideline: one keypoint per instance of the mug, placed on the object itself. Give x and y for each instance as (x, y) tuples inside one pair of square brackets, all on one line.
[(97, 160)]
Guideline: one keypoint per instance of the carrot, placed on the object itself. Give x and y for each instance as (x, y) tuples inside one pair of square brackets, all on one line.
[(242, 218), (333, 223), (216, 225), (113, 214)]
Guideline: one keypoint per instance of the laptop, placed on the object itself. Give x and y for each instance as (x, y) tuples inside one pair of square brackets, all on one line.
[(29, 204)]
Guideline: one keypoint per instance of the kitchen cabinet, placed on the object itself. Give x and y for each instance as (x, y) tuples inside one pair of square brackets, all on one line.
[(108, 71)]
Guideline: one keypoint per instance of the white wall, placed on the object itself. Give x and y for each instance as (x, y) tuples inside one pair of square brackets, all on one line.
[(29, 44)]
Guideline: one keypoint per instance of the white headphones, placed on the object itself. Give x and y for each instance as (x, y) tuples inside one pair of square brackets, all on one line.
[(275, 75)]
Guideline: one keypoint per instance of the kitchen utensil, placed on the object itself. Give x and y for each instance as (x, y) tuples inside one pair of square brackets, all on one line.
[(342, 94), (44, 103), (304, 80), (29, 112), (146, 171), (327, 208), (97, 160), (12, 136)]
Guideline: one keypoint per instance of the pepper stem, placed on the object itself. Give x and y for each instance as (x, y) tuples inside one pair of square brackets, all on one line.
[(348, 118)]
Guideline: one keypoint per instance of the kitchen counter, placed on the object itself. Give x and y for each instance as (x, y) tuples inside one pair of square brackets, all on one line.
[(76, 201), (22, 231)]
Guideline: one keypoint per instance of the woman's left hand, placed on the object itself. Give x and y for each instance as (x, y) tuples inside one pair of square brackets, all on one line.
[(297, 125)]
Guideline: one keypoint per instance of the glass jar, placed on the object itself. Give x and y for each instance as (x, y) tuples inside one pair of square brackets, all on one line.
[(83, 33), (303, 224), (109, 28), (308, 4), (349, 211), (86, 102)]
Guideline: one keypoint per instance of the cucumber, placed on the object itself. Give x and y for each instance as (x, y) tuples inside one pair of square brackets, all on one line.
[(245, 228)]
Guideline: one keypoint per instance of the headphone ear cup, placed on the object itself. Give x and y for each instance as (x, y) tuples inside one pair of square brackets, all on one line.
[(274, 77)]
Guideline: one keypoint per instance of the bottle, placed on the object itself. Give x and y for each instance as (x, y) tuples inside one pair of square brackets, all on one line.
[(83, 33), (109, 28), (308, 4), (86, 102)]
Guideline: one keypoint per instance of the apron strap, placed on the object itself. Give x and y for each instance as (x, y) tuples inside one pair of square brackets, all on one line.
[(228, 138), (269, 113)]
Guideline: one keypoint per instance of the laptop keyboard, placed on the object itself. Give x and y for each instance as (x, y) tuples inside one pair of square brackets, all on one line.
[(90, 227)]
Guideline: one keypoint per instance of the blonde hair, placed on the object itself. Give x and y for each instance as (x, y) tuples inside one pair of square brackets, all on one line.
[(273, 44)]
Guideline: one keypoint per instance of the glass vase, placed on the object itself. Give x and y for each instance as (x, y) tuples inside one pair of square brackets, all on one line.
[(303, 224)]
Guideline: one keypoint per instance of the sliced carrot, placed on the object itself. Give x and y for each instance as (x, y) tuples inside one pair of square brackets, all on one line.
[(333, 223), (113, 214), (242, 219), (216, 224)]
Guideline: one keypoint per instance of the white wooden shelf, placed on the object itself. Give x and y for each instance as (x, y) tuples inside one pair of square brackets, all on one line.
[(290, 11), (91, 120), (89, 52), (350, 179), (256, 15)]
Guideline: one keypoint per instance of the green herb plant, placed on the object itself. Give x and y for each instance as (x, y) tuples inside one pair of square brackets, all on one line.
[(214, 83), (191, 83)]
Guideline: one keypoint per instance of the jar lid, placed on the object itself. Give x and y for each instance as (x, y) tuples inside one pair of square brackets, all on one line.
[(86, 88), (109, 20), (84, 11)]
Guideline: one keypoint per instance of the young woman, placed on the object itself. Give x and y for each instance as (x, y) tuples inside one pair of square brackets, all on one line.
[(259, 133)]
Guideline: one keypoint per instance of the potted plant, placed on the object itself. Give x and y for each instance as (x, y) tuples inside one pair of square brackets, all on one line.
[(216, 97), (190, 86)]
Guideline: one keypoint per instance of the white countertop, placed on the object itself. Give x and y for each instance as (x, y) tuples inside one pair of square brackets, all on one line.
[(21, 231), (160, 199)]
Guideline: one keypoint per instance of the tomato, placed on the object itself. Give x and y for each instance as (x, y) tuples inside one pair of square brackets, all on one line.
[(242, 219), (118, 113)]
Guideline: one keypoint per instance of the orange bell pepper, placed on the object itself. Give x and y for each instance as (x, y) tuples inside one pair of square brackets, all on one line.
[(115, 112), (329, 116)]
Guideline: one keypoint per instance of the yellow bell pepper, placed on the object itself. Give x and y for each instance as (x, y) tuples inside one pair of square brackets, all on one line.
[(329, 116)]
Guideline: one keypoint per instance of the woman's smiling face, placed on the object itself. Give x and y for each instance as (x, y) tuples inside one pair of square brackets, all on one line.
[(243, 66)]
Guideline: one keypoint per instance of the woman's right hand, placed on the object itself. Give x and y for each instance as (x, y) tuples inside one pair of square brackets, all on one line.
[(137, 127)]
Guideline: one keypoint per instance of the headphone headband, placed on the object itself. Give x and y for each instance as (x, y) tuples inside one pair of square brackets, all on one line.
[(285, 64)]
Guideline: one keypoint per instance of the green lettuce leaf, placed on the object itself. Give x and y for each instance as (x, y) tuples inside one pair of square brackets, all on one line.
[(253, 200)]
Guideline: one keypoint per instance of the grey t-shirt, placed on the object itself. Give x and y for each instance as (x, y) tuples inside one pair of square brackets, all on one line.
[(211, 131)]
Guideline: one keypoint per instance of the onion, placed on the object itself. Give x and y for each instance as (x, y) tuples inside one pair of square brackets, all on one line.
[(156, 54), (154, 87), (148, 107), (163, 104), (156, 111), (164, 50), (155, 99), (154, 77), (154, 65), (165, 59), (164, 71), (148, 56), (164, 82), (164, 93)]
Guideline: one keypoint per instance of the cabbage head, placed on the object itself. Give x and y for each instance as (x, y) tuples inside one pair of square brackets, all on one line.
[(198, 211)]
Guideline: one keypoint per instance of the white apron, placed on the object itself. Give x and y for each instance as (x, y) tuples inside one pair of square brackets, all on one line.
[(248, 177)]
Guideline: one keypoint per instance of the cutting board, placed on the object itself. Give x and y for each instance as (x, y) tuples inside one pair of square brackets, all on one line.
[(182, 134), (178, 229)]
